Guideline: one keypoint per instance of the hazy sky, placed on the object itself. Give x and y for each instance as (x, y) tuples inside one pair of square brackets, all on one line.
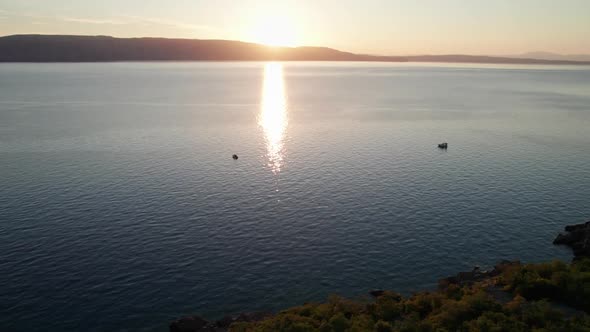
[(371, 26)]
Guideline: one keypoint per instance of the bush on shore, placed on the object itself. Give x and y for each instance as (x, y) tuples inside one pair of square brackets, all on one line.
[(535, 290)]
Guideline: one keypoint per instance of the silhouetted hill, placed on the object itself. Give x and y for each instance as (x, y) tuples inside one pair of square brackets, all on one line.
[(489, 59), (55, 48), (553, 56), (46, 48)]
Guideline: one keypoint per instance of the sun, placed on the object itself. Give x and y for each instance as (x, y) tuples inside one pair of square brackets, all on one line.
[(275, 31)]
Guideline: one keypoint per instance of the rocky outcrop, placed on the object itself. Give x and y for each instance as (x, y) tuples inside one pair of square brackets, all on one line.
[(475, 275), (576, 237), (198, 324), (189, 324), (376, 292)]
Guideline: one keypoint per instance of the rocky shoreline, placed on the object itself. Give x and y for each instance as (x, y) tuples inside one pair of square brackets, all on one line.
[(577, 237), (476, 275), (198, 324)]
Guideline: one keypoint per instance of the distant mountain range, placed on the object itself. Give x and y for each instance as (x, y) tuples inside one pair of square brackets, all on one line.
[(55, 48), (554, 56)]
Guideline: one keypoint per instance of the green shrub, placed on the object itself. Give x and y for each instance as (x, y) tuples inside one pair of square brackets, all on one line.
[(495, 322), (555, 281), (382, 326), (457, 308), (339, 323)]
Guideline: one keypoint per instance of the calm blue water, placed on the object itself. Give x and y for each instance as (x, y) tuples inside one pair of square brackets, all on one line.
[(122, 209)]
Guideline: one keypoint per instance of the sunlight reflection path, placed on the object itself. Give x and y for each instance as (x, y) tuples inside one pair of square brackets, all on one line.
[(273, 115)]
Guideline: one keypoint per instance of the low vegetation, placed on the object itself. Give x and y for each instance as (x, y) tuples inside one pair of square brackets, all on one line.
[(535, 297)]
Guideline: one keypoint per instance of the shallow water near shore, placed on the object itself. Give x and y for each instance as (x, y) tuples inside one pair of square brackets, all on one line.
[(121, 207)]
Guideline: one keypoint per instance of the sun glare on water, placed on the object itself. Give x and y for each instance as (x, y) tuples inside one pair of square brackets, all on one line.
[(273, 114)]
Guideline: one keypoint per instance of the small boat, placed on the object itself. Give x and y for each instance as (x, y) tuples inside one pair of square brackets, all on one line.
[(235, 156), (443, 145)]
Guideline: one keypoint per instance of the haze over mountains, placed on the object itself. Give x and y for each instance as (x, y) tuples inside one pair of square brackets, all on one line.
[(62, 48), (554, 56)]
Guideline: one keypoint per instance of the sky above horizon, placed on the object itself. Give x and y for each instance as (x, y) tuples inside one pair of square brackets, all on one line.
[(394, 27)]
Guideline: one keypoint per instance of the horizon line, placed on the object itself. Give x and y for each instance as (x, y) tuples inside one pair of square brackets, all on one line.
[(516, 56)]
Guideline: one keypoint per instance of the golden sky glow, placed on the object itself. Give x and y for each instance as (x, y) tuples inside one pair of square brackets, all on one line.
[(275, 30), (392, 27)]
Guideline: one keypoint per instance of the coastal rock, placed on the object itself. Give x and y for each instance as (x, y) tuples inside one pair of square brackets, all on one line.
[(377, 292), (475, 275), (198, 324), (188, 324), (576, 237), (248, 317)]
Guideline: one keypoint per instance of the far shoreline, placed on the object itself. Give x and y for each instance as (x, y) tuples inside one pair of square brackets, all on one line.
[(492, 65), (35, 48)]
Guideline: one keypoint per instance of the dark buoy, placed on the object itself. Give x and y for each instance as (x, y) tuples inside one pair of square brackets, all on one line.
[(443, 145), (235, 156)]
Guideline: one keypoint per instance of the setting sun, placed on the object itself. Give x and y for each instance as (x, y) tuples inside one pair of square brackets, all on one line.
[(275, 31)]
